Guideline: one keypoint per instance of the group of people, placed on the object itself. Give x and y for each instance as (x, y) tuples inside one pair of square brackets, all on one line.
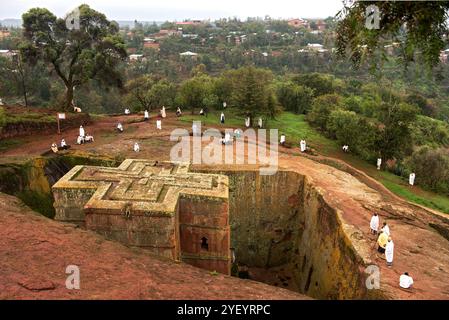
[(385, 246), (63, 146), (248, 122), (82, 138)]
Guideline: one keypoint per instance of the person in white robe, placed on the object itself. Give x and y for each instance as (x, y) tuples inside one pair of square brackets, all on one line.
[(82, 132), (163, 113), (405, 281), (89, 138), (386, 229), (178, 112), (389, 250), (159, 124), (127, 111), (146, 115), (379, 163), (136, 147), (64, 145), (222, 118), (303, 145), (247, 122), (224, 105), (202, 112), (260, 123), (411, 179), (374, 224), (80, 140), (345, 148), (54, 148), (282, 140), (119, 127)]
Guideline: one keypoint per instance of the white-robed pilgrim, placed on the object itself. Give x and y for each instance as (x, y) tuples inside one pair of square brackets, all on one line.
[(374, 223), (146, 115), (82, 132), (379, 163), (260, 123), (247, 122), (136, 147), (411, 179), (282, 141), (389, 250), (159, 124), (303, 145), (163, 113), (222, 118), (54, 148), (405, 281)]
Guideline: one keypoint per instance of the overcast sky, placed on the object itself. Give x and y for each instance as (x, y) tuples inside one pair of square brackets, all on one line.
[(161, 10)]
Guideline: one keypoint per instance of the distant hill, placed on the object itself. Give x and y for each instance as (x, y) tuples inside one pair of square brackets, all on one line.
[(130, 23), (15, 23)]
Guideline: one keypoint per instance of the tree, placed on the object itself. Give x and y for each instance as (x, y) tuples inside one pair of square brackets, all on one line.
[(76, 55), (294, 97), (14, 69), (138, 93), (147, 92), (322, 108), (353, 130), (431, 168), (162, 93), (416, 25), (18, 78), (394, 139), (421, 102), (197, 92), (252, 91), (320, 83)]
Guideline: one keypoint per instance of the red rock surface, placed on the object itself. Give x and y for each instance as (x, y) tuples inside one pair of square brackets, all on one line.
[(35, 251)]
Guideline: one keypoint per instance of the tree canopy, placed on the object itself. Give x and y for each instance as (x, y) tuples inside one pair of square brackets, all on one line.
[(76, 55), (418, 27)]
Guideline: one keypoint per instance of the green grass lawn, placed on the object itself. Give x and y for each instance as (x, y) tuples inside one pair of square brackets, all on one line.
[(295, 127)]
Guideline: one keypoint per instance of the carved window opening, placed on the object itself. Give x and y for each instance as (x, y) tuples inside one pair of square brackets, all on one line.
[(204, 243)]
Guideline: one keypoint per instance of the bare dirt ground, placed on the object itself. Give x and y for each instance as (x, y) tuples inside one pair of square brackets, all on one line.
[(419, 249)]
